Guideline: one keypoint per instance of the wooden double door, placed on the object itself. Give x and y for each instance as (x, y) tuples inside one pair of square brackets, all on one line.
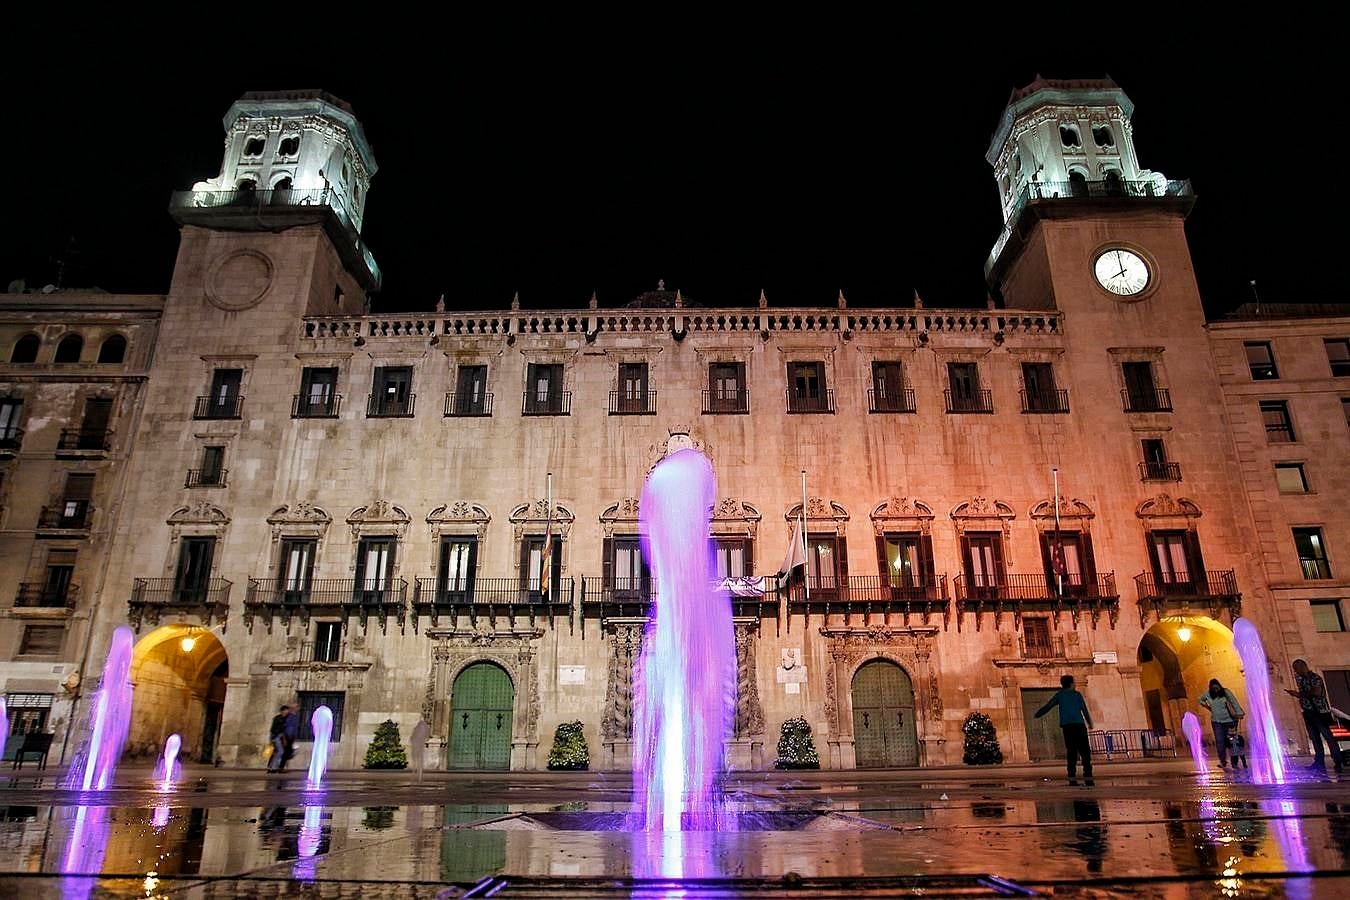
[(480, 718), (884, 731)]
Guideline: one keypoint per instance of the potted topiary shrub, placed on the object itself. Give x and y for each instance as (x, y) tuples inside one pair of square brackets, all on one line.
[(981, 741), (386, 750), (796, 748), (569, 751)]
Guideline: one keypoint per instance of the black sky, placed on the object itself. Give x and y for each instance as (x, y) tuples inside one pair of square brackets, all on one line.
[(514, 159)]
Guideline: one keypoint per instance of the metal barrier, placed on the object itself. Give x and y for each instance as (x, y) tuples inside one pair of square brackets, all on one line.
[(1142, 743)]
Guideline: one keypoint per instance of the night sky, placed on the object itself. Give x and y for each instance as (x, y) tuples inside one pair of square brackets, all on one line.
[(518, 161)]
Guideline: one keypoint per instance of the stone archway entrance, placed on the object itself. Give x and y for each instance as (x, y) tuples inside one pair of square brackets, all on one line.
[(178, 673), (884, 731), (482, 703), (1177, 658)]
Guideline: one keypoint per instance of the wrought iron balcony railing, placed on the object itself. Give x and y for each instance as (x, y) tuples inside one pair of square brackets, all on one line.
[(362, 597), (202, 478), (626, 403), (870, 595), (1156, 400), (556, 403), (218, 407), (898, 402), (1023, 592), (1041, 648), (1056, 401), (71, 514), (304, 406), (491, 597), (1154, 470), (730, 402), (1174, 593), (383, 406), (467, 405), (152, 596), (38, 595), (608, 598), (980, 401), (98, 440), (322, 652), (820, 403)]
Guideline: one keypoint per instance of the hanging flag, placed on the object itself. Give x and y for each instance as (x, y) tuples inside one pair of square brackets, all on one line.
[(795, 557), (546, 561)]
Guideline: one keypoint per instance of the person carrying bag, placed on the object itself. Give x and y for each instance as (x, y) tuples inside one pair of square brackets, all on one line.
[(1225, 714)]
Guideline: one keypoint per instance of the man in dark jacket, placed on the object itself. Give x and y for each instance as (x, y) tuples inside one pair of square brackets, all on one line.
[(1312, 697), (277, 736), (1074, 720)]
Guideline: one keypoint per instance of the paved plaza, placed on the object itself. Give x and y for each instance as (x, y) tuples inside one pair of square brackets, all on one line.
[(1142, 828)]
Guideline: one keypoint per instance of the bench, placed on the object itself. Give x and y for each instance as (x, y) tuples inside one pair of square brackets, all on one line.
[(37, 744)]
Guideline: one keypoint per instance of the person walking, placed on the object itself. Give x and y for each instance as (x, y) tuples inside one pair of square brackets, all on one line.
[(277, 736), (1311, 694), (1074, 720), (291, 732), (1224, 715)]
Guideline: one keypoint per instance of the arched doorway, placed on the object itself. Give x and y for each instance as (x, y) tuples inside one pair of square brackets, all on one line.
[(884, 732), (1177, 658), (178, 673), (481, 702)]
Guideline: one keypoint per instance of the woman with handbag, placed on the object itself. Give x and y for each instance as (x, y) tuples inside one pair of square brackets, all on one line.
[(1224, 714)]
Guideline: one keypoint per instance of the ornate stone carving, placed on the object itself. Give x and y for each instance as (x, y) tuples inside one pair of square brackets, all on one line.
[(512, 650), (984, 514), (625, 511), (625, 648), (749, 714), (299, 518), (822, 512), (379, 517), (1164, 506), (199, 513), (1075, 511), (533, 517), (460, 517), (849, 648), (733, 516)]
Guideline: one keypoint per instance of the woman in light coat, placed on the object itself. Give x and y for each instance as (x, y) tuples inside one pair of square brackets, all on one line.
[(1224, 715)]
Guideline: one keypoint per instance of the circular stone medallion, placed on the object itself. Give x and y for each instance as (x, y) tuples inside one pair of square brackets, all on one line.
[(238, 280)]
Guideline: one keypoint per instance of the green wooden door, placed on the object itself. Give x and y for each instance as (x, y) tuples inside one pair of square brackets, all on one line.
[(480, 718), (884, 732), (1045, 740)]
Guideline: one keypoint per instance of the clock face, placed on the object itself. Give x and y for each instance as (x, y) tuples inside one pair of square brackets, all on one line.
[(1121, 272)]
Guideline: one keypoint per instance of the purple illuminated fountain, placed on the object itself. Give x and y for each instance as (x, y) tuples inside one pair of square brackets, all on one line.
[(4, 725), (1267, 753), (686, 675), (168, 769), (1190, 726), (109, 719), (322, 724)]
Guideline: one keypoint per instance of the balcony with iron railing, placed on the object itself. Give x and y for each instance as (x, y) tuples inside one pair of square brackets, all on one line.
[(307, 407), (229, 407), (726, 402), (71, 515), (977, 401), (628, 403), (11, 439), (491, 598), (870, 596), (316, 651), (1041, 647), (84, 441), (1175, 593), (553, 403), (901, 401), (151, 597), (364, 598), (1056, 401), (1158, 470), (821, 402), (39, 595), (1145, 401), (206, 478), (277, 208), (467, 405), (385, 406), (610, 598), (1036, 592)]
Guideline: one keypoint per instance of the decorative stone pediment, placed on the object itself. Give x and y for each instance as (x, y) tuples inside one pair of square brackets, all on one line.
[(1074, 515), (199, 513), (460, 517), (1164, 506), (299, 519), (902, 514), (535, 516), (681, 437), (822, 513), (380, 517), (735, 517), (622, 516), (982, 514)]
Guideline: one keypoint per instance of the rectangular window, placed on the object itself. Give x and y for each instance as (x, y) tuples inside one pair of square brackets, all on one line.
[(1155, 466), (312, 700), (223, 401), (964, 393), (374, 568), (471, 396), (906, 560), (1260, 361), (1170, 559), (11, 411), (327, 641), (318, 394), (983, 563), (1345, 409), (1338, 355), (632, 388), (1038, 379), (1291, 478), (726, 388), (1312, 552), (194, 569), (733, 559), (1074, 573), (825, 561), (42, 640), (56, 583), (888, 388), (1141, 392), (806, 387), (391, 393), (531, 564), (27, 713), (1327, 615), (213, 465), (1036, 642), (297, 569), (1279, 427), (459, 561), (94, 426), (544, 390), (75, 501), (626, 571)]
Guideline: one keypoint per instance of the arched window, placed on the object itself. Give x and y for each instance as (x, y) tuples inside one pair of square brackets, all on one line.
[(246, 185), (281, 191), (1113, 182), (1077, 183), (68, 351), (1102, 136), (1068, 136), (114, 349), (26, 350)]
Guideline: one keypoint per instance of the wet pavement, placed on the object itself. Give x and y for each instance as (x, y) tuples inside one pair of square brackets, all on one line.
[(1141, 829)]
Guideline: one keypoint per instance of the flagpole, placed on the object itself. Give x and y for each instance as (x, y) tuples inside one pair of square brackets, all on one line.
[(802, 533), (547, 567), (1059, 576)]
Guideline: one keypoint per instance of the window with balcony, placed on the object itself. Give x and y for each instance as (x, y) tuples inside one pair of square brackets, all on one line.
[(906, 563), (1312, 553), (73, 511), (456, 569), (56, 590), (727, 391), (1039, 393), (193, 579), (734, 557), (11, 413), (391, 393), (42, 640), (1279, 426), (318, 397), (532, 574), (1070, 569), (1326, 615), (374, 570), (633, 396), (327, 641), (963, 390), (1260, 361), (296, 570), (224, 401), (113, 350), (471, 397), (1291, 478), (544, 394), (1177, 564), (69, 350), (806, 392), (626, 575), (93, 431), (1338, 356), (826, 561), (1037, 642), (982, 553), (25, 349), (1142, 393), (28, 712), (211, 471), (888, 392), (312, 700), (1155, 465)]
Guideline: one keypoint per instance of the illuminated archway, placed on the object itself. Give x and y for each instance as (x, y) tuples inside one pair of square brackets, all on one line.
[(1177, 658), (178, 672)]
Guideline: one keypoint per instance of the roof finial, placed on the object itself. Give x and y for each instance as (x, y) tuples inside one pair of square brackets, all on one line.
[(595, 301), (660, 284), (843, 304), (918, 301), (763, 300), (440, 304), (679, 300), (515, 301)]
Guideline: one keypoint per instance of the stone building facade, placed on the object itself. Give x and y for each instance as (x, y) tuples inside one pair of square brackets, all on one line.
[(319, 505)]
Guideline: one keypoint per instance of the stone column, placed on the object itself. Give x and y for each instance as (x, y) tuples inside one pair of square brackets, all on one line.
[(240, 742)]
